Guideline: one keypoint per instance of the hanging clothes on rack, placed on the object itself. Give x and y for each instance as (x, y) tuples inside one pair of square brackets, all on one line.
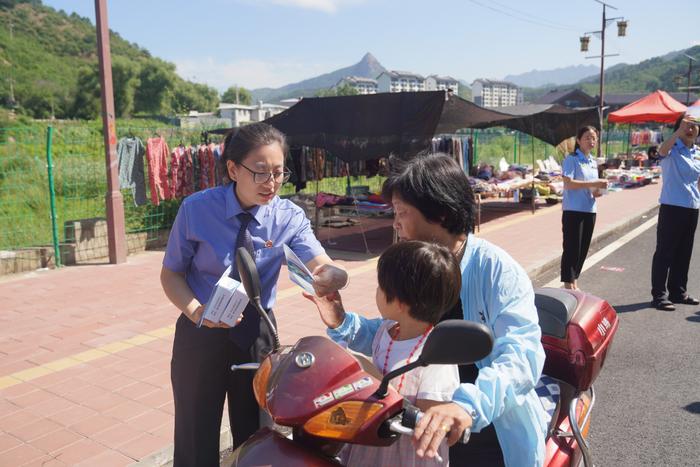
[(130, 151), (157, 158)]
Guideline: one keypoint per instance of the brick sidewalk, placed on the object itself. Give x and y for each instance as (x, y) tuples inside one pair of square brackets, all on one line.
[(85, 350)]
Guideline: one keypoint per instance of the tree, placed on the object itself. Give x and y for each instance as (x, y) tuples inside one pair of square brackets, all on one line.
[(125, 80), (87, 95), (237, 95), (344, 90), (193, 96), (156, 81)]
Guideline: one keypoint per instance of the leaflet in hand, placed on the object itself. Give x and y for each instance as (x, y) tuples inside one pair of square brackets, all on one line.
[(227, 301), (298, 273), (693, 113)]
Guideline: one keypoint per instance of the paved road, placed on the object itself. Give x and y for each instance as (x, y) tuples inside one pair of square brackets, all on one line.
[(648, 408)]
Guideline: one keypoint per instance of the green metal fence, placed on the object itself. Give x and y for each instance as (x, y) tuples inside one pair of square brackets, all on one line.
[(52, 196), (53, 185)]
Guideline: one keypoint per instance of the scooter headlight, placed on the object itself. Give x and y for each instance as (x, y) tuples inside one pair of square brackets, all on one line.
[(342, 421), (262, 376)]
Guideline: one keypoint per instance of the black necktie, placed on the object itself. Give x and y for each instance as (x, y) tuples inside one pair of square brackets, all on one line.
[(244, 239), (248, 330)]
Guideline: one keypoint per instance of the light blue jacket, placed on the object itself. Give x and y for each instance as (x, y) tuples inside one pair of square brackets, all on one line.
[(497, 292)]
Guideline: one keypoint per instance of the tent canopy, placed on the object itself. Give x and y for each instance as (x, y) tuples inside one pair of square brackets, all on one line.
[(552, 123), (656, 107), (376, 125)]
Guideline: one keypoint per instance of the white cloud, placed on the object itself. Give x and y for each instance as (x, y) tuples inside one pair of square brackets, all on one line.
[(249, 73), (328, 6)]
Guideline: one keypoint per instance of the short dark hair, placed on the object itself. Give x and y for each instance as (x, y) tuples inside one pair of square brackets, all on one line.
[(423, 275), (435, 185), (582, 131), (679, 120), (241, 141)]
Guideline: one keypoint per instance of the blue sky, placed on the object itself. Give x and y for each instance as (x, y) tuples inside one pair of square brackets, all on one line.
[(259, 43)]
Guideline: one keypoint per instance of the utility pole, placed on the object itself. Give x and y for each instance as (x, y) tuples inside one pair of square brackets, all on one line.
[(116, 232), (621, 31), (690, 69)]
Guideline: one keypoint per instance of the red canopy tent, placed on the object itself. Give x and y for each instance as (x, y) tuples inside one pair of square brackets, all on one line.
[(656, 107), (696, 103)]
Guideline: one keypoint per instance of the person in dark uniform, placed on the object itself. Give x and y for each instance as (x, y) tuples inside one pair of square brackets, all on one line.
[(678, 217), (209, 227)]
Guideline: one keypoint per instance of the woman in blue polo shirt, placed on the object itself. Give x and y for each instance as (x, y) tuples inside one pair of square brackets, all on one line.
[(201, 246), (678, 217), (581, 187)]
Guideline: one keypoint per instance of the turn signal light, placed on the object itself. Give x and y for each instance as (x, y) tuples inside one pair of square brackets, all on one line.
[(585, 404), (342, 421), (260, 380)]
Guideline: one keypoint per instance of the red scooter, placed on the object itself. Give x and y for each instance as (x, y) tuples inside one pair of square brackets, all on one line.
[(328, 397)]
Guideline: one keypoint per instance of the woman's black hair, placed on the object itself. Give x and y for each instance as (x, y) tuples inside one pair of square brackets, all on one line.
[(429, 285), (582, 131), (435, 185), (677, 125), (239, 142)]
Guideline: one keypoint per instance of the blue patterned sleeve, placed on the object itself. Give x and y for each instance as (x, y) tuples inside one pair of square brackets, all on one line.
[(356, 331)]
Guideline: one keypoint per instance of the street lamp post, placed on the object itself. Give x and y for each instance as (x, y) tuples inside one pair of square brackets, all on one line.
[(621, 31)]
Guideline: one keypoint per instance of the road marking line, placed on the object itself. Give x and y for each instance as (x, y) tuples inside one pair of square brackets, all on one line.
[(115, 347), (608, 250)]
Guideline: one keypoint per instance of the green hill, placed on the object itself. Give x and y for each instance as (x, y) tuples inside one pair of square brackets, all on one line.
[(649, 75), (667, 72), (48, 67)]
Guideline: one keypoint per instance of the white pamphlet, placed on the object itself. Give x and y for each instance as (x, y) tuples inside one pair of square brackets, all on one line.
[(227, 301), (298, 273)]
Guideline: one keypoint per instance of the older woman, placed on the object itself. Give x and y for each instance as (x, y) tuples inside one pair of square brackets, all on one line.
[(496, 400)]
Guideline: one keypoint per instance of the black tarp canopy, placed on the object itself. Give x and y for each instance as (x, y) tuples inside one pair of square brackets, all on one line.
[(552, 123), (376, 125)]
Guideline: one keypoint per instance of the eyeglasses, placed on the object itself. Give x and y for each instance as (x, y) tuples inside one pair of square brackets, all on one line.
[(264, 177)]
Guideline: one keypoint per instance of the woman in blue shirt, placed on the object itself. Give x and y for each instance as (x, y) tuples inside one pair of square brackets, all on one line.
[(678, 217), (201, 246), (433, 201), (581, 187)]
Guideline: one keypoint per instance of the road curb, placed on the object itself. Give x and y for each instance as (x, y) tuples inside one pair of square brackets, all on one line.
[(625, 225)]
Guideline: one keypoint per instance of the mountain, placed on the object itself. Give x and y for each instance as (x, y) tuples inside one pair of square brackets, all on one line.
[(48, 67), (555, 77), (667, 72), (367, 67)]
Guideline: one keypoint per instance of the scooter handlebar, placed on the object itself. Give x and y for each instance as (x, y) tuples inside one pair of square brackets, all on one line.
[(412, 415)]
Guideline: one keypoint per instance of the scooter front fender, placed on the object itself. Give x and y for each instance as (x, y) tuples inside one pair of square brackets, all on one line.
[(269, 448)]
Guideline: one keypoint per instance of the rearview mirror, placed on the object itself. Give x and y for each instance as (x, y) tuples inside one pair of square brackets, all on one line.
[(456, 342), (451, 342), (248, 272)]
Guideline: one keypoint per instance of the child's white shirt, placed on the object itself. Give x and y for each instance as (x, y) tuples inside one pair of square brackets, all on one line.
[(434, 382)]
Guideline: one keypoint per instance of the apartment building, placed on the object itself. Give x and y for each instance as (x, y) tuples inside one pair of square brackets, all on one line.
[(400, 81), (441, 83), (361, 84), (492, 93)]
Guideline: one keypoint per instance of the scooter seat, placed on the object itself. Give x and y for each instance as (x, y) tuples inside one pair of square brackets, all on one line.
[(555, 307)]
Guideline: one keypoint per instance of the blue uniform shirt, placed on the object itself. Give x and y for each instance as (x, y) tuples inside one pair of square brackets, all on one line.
[(578, 166), (496, 292), (680, 170), (203, 239)]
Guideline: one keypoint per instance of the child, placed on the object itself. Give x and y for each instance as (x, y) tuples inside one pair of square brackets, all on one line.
[(418, 282)]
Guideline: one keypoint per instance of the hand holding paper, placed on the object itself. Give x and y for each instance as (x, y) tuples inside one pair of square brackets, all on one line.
[(298, 273)]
